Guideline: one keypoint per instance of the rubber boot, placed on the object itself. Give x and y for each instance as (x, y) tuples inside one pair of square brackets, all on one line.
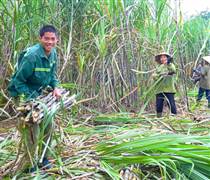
[(159, 115)]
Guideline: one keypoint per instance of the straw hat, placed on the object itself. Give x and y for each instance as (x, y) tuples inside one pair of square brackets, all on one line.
[(157, 57), (206, 58)]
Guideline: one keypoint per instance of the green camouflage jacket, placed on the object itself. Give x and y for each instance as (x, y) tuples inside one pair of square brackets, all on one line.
[(165, 77)]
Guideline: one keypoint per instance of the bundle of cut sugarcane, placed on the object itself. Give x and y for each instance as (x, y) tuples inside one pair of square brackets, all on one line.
[(35, 110)]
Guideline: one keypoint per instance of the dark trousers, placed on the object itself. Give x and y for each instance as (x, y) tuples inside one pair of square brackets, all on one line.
[(170, 101), (201, 92)]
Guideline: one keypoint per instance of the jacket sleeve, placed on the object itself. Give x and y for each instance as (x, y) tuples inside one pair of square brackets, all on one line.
[(171, 69), (54, 80), (160, 71), (157, 74), (23, 73)]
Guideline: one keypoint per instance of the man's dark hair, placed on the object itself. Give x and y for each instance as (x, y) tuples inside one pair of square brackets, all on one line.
[(47, 28)]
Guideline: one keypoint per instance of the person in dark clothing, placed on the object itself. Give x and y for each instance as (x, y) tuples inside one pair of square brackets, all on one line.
[(196, 73), (204, 81)]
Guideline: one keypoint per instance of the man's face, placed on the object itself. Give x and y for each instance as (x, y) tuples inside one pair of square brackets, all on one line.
[(48, 41), (163, 59)]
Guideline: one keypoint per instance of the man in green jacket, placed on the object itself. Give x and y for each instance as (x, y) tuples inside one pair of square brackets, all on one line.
[(204, 83), (35, 71), (37, 68), (165, 83)]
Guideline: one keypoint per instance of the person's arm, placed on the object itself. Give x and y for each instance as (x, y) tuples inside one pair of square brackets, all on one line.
[(23, 73), (171, 69), (160, 72), (156, 74), (53, 76), (54, 80)]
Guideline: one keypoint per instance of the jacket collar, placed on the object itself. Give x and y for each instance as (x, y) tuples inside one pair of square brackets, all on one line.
[(42, 52)]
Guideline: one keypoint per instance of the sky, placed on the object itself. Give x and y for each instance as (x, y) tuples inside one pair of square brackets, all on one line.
[(193, 7)]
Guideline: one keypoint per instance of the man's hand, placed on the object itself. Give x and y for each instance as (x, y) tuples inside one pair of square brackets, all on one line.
[(57, 93)]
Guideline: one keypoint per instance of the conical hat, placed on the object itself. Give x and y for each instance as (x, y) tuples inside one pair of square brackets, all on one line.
[(206, 58), (157, 57)]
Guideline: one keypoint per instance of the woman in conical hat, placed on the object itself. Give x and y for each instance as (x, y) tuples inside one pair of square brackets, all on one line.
[(165, 83), (206, 59), (204, 83), (157, 57)]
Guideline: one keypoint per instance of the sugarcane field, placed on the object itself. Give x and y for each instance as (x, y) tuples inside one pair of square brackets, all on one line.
[(105, 89)]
